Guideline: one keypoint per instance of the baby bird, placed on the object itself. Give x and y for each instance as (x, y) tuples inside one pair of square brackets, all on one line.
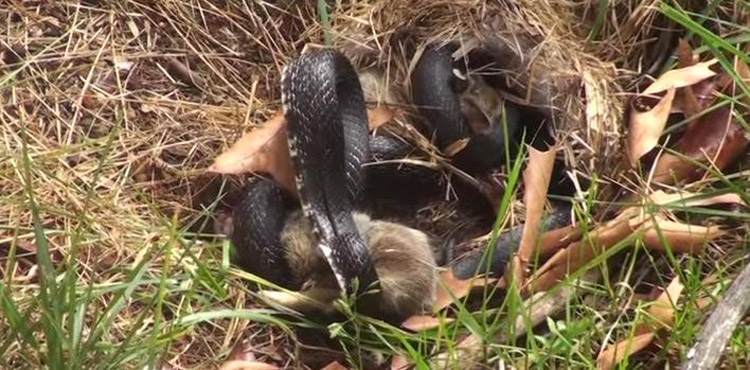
[(481, 105), (403, 258)]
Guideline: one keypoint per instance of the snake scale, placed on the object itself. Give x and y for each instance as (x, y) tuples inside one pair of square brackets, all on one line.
[(325, 110)]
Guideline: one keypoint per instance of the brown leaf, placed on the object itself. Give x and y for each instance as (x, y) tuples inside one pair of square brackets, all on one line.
[(265, 150), (693, 99), (551, 241), (379, 116), (261, 150), (536, 179), (455, 147), (687, 101), (662, 310), (424, 322), (714, 139), (682, 77), (685, 56), (615, 353), (663, 307), (693, 200), (651, 108), (577, 254), (334, 366), (681, 238), (514, 272), (647, 121), (451, 287)]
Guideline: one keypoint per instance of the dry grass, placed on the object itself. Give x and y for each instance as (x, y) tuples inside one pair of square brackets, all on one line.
[(118, 142), (123, 104)]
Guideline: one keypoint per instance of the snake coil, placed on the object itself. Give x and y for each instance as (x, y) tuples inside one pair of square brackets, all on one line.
[(329, 143), (325, 111)]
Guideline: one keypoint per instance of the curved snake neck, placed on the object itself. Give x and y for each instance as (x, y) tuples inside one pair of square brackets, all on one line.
[(328, 143)]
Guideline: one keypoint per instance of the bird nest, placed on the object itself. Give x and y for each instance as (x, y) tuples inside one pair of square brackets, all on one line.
[(543, 62)]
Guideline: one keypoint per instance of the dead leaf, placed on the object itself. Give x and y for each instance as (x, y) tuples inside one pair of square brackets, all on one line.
[(451, 287), (662, 310), (682, 77), (714, 139), (685, 97), (536, 179), (681, 238), (261, 150), (685, 57), (265, 150), (688, 199), (686, 101), (651, 108), (615, 353), (424, 322), (647, 121), (551, 241), (379, 116), (514, 273), (579, 253), (694, 99), (334, 366), (664, 306), (455, 147)]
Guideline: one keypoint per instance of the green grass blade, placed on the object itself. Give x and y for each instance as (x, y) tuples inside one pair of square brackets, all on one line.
[(51, 301), (325, 21), (15, 320)]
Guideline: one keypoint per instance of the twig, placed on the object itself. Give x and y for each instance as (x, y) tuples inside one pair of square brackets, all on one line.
[(720, 325)]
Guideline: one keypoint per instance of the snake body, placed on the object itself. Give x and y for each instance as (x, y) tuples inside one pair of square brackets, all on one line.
[(329, 143), (325, 110), (434, 94)]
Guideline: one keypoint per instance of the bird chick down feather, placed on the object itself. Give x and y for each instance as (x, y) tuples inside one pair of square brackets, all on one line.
[(403, 258)]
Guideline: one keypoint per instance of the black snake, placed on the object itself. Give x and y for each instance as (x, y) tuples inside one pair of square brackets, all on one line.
[(329, 143)]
